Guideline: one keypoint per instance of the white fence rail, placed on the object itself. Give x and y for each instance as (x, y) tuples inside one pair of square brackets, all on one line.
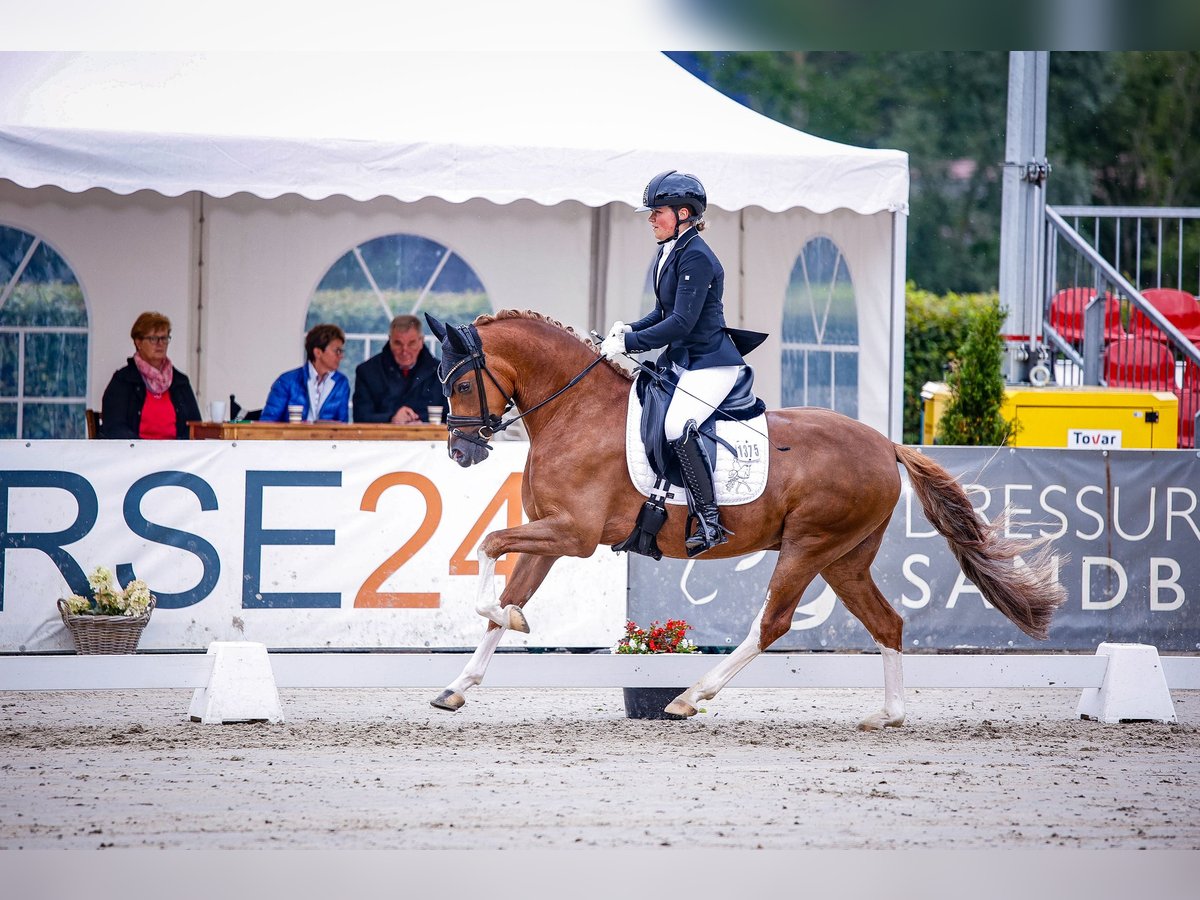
[(577, 670)]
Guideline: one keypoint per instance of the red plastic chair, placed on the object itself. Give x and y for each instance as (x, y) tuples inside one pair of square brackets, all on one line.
[(1189, 405), (1066, 314), (1180, 308), (1139, 362)]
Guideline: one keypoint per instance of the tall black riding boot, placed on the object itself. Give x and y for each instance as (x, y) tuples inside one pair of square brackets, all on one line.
[(697, 473)]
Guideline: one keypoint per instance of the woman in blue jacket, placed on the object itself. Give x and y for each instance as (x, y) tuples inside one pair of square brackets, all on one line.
[(688, 319), (317, 386)]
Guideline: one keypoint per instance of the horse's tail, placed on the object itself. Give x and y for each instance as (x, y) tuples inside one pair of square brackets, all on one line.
[(1027, 595)]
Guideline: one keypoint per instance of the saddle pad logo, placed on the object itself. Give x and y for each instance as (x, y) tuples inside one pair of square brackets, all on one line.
[(737, 480)]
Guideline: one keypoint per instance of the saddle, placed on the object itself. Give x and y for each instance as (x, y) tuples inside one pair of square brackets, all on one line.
[(656, 387), (740, 474)]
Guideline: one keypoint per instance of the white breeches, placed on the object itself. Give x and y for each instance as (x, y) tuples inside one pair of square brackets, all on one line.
[(699, 392)]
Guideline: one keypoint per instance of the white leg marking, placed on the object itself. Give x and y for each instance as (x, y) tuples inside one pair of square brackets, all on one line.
[(718, 676), (486, 603), (472, 673), (892, 714)]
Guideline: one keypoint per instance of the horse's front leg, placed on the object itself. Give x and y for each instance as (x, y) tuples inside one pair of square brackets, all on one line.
[(505, 615), (528, 574), (545, 538)]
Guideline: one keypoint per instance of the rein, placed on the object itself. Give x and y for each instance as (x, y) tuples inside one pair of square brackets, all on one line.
[(488, 423)]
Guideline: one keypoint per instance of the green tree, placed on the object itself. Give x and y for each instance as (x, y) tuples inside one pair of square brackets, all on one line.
[(1122, 128), (945, 109), (977, 386)]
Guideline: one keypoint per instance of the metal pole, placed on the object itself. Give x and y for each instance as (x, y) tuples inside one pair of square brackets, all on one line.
[(1022, 214)]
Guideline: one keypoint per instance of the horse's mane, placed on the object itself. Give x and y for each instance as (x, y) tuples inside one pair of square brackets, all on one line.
[(538, 317)]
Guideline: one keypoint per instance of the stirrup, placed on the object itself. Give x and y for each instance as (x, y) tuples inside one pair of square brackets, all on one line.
[(702, 538)]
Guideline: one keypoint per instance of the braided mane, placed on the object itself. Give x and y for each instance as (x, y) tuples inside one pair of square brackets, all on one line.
[(539, 317)]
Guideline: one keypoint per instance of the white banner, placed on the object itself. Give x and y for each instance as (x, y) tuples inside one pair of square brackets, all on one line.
[(294, 544)]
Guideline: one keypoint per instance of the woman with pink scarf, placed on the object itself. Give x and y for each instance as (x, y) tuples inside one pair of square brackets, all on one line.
[(149, 399)]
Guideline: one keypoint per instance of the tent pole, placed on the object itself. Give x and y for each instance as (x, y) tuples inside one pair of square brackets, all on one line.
[(598, 274), (196, 356), (741, 296), (899, 299)]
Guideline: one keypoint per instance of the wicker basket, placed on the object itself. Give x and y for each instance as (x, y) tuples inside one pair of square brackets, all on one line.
[(104, 634)]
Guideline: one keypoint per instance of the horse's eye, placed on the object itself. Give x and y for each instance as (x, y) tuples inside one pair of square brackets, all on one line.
[(463, 387)]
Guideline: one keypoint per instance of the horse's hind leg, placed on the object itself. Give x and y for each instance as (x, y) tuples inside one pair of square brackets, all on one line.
[(850, 577), (528, 573), (793, 572)]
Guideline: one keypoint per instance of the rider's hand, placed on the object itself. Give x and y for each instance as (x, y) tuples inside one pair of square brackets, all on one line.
[(613, 345), (619, 327)]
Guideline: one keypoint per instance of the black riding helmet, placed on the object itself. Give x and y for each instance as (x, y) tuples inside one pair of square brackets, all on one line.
[(673, 188)]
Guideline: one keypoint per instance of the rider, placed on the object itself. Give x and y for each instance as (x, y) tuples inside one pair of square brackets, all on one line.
[(689, 320)]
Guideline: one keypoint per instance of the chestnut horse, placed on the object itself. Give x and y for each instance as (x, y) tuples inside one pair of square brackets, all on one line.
[(832, 487)]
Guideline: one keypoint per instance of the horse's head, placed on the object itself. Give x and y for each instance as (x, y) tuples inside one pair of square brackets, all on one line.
[(471, 391)]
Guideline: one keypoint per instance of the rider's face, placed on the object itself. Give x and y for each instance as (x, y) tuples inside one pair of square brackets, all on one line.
[(662, 222)]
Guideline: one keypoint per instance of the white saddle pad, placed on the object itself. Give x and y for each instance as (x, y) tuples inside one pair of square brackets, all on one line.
[(738, 481)]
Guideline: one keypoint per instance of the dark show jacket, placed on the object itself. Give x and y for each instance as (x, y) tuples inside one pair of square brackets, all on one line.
[(380, 388), (687, 318), (121, 410)]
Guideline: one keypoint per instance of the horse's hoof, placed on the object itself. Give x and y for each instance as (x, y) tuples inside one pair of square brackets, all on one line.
[(880, 720), (448, 700), (517, 620), (680, 707)]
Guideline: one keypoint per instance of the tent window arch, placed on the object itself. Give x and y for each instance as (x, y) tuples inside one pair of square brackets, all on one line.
[(387, 276), (820, 331), (43, 341)]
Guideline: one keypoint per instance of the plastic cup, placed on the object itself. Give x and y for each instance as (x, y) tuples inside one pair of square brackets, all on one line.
[(434, 415), (216, 411), (295, 413)]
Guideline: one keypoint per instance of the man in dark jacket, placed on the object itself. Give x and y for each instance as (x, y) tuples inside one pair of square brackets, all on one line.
[(400, 382)]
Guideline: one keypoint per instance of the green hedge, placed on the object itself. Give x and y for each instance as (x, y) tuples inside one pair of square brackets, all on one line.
[(935, 327), (359, 311)]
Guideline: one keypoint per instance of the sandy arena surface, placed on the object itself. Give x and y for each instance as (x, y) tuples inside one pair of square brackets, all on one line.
[(564, 768)]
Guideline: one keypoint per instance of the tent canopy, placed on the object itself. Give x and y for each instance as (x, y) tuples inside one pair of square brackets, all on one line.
[(502, 126)]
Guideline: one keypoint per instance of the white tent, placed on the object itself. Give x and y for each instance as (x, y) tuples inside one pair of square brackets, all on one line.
[(219, 188)]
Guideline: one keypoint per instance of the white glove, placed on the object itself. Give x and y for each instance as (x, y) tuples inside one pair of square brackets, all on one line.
[(619, 327), (613, 345)]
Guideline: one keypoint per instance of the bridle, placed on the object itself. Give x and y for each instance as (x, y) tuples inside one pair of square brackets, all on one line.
[(487, 423)]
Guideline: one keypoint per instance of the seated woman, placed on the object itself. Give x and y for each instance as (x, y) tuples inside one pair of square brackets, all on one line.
[(317, 386), (149, 398)]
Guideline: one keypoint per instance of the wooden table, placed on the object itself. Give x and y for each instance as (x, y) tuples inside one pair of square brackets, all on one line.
[(314, 431)]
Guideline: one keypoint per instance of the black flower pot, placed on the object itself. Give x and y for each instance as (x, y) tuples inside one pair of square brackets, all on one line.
[(649, 702)]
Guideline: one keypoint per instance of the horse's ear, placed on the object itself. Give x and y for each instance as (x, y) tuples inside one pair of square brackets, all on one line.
[(457, 342), (438, 329)]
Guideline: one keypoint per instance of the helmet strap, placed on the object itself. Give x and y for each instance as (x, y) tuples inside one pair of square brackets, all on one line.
[(682, 223)]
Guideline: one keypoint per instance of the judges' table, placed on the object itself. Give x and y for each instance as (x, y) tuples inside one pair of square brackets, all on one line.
[(313, 431)]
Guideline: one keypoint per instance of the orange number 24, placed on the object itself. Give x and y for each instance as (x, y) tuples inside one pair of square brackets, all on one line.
[(370, 596)]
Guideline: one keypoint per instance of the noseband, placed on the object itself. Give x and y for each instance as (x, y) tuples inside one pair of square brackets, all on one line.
[(487, 423)]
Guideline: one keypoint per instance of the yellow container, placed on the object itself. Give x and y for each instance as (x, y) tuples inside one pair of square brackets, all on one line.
[(1092, 418)]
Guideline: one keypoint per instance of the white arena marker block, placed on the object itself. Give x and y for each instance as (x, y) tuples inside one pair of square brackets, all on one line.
[(241, 687), (1134, 688)]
